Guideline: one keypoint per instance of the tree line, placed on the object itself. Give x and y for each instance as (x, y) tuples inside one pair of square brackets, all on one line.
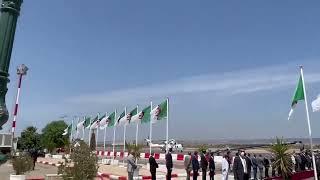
[(50, 137)]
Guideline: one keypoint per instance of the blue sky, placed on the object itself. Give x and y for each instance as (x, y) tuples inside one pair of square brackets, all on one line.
[(229, 67)]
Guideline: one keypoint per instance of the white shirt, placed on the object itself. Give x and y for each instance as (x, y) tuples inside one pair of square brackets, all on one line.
[(225, 166), (244, 164)]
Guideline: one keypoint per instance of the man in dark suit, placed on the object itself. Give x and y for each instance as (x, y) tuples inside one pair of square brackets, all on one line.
[(204, 165), (240, 167), (169, 164), (195, 165), (153, 167), (249, 165)]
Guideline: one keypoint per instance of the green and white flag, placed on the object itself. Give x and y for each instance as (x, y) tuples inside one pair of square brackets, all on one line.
[(131, 114), (67, 130), (121, 119), (111, 121), (86, 122), (160, 112), (298, 95), (104, 121), (94, 122), (316, 104), (144, 115)]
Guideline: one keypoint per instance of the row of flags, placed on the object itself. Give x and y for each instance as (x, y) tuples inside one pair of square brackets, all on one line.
[(146, 115)]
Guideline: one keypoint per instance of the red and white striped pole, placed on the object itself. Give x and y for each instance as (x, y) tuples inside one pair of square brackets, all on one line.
[(21, 71)]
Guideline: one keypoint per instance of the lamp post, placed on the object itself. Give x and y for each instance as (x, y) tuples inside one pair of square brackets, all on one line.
[(21, 71), (10, 10)]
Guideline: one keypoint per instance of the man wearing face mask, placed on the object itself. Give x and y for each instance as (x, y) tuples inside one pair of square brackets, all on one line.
[(240, 166)]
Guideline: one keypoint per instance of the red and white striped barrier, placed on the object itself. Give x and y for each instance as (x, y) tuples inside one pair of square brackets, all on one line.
[(50, 163), (157, 156)]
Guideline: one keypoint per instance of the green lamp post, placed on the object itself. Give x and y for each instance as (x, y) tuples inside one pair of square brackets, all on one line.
[(10, 10)]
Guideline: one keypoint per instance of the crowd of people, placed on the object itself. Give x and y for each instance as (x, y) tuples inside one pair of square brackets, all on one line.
[(243, 166)]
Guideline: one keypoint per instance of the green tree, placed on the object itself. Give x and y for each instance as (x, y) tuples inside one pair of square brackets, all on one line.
[(30, 139), (83, 164), (52, 135)]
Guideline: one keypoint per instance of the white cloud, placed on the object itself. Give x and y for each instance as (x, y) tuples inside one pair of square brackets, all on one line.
[(231, 83)]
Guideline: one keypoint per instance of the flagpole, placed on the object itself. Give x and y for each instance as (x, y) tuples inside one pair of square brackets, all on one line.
[(124, 132), (70, 138), (114, 133), (97, 135), (104, 136), (137, 128), (309, 125), (167, 133), (84, 119), (150, 135), (90, 130)]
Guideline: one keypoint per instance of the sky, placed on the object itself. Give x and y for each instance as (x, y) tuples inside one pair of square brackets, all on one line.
[(229, 68)]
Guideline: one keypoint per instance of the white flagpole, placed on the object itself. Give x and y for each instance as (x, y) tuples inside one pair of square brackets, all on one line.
[(84, 118), (124, 132), (114, 133), (97, 135), (150, 135), (309, 125), (70, 138), (90, 130), (167, 133), (104, 136), (137, 128)]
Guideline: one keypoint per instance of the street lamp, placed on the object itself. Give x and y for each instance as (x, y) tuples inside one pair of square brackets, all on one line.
[(10, 10)]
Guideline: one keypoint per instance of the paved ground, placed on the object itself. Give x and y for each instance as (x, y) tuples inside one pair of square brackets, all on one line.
[(40, 170)]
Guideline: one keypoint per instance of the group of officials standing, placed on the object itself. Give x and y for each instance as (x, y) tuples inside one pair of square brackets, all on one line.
[(242, 165)]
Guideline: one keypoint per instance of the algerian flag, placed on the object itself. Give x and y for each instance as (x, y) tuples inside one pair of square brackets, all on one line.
[(111, 119), (67, 130), (131, 114), (159, 112), (104, 121), (143, 116), (94, 122), (316, 104), (298, 95), (121, 119), (86, 122)]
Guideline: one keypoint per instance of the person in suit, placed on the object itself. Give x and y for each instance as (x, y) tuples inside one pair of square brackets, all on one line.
[(169, 164), (260, 166), (254, 166), (225, 167), (204, 165), (195, 165), (212, 166), (131, 166), (240, 168), (266, 164), (153, 166), (188, 165), (249, 165)]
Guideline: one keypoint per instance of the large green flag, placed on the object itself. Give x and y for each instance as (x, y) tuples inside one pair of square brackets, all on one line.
[(86, 122), (111, 119), (160, 112), (298, 95), (144, 115)]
